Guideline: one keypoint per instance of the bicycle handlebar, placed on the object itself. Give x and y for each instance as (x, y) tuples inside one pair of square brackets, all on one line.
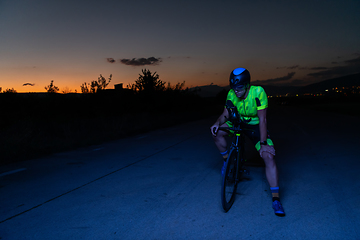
[(234, 115), (234, 118), (235, 129)]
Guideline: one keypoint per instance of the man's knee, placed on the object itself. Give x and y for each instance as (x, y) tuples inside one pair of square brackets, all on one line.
[(268, 158), (219, 135)]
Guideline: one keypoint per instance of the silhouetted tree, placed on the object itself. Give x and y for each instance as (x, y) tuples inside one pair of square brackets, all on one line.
[(12, 90), (66, 90), (178, 87), (0, 89), (85, 88), (148, 82), (52, 88), (102, 83), (95, 86)]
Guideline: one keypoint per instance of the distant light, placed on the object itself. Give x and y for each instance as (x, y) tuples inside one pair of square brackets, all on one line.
[(326, 90)]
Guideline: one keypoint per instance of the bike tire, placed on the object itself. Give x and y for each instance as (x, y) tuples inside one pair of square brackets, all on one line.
[(229, 181)]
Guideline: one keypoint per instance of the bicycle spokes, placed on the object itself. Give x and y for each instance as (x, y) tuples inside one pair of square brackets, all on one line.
[(230, 181)]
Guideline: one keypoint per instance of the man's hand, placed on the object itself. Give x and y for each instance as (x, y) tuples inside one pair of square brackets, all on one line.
[(214, 128), (268, 149)]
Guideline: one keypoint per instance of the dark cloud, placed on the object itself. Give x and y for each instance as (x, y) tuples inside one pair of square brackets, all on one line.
[(313, 68), (353, 61), (29, 84), (110, 60), (318, 68), (141, 61), (351, 66), (292, 67), (280, 80)]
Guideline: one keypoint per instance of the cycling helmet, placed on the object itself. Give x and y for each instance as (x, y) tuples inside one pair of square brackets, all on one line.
[(239, 78)]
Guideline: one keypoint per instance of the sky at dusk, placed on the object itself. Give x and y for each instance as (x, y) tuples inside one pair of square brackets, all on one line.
[(199, 42)]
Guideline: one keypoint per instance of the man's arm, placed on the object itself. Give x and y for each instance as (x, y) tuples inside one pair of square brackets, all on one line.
[(263, 133), (221, 120), (262, 124), (223, 117)]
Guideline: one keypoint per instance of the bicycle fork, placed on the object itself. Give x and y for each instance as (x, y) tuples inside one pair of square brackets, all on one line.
[(240, 169)]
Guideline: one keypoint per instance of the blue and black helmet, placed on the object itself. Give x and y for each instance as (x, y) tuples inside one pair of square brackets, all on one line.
[(239, 78)]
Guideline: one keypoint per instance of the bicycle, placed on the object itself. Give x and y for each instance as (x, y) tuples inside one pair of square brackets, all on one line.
[(234, 165)]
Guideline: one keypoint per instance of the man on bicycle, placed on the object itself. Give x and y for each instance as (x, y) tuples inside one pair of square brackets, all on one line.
[(251, 103)]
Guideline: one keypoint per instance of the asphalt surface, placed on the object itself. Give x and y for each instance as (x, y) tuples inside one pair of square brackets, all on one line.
[(165, 184)]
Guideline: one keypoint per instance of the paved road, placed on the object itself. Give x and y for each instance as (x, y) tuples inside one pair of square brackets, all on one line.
[(166, 185)]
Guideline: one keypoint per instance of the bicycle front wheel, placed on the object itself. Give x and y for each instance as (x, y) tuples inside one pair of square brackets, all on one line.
[(229, 181)]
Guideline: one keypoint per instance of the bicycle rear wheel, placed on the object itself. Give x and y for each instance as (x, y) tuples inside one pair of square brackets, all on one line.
[(229, 181)]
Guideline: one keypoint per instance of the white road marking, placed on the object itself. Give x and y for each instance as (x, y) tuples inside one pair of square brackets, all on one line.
[(13, 171)]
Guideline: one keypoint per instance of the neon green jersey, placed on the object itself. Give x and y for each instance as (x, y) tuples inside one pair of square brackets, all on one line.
[(248, 107)]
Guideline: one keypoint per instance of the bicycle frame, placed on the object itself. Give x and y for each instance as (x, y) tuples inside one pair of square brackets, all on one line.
[(238, 145), (231, 177)]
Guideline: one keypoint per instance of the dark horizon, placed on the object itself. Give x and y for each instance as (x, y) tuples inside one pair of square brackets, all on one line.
[(344, 81)]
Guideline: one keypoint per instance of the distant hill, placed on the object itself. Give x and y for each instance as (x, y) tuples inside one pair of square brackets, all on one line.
[(275, 90), (346, 81), (209, 90), (213, 90)]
